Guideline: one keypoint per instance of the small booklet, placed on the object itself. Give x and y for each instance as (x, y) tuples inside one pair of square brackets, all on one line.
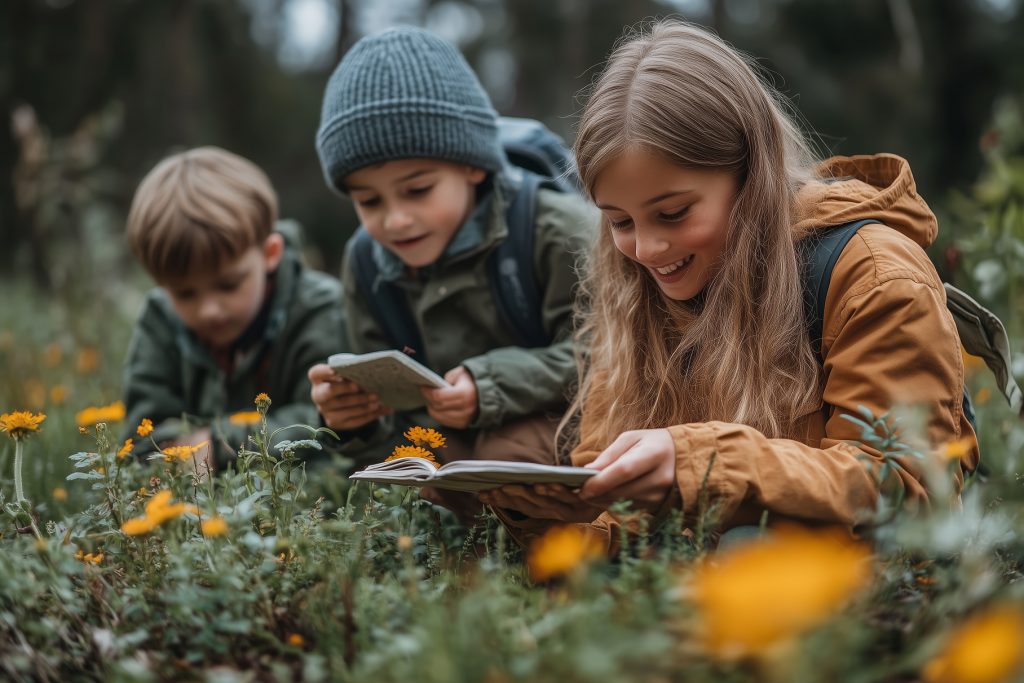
[(392, 375), (471, 475)]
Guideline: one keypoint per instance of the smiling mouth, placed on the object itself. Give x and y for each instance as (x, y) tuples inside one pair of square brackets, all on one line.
[(409, 242), (673, 267)]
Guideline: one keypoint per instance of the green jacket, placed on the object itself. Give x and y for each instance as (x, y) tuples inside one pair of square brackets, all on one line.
[(171, 378), (455, 310)]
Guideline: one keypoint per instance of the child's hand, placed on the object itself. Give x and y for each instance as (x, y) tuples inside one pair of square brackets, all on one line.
[(542, 501), (639, 466), (342, 403), (454, 407)]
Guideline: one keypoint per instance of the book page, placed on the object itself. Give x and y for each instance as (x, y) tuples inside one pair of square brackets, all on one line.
[(393, 376), (405, 471), (480, 475)]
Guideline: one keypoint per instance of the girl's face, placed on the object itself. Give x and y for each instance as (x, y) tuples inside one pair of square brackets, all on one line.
[(673, 221)]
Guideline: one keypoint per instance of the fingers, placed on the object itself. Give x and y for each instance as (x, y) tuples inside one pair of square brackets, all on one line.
[(320, 372), (353, 418), (531, 502), (634, 462), (623, 443)]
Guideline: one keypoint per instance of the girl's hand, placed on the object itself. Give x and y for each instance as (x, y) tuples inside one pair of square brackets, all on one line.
[(455, 407), (342, 403), (542, 501), (639, 466)]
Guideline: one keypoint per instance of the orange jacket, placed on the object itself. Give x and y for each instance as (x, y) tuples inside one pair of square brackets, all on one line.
[(888, 340)]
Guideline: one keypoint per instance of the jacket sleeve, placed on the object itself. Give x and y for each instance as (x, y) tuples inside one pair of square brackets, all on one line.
[(513, 381), (888, 342)]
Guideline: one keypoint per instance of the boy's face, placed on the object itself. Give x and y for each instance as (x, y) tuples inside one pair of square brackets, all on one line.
[(218, 306), (414, 206)]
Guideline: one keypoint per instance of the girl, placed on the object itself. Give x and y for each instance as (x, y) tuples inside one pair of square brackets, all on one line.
[(700, 366)]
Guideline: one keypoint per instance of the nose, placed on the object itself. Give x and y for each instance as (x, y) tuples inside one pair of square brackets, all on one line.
[(649, 244), (210, 309), (397, 219)]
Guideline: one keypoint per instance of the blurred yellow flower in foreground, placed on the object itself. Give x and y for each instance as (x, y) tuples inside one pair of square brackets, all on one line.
[(767, 591), (125, 449), (21, 423), (245, 417), (989, 648), (411, 452), (214, 526), (172, 453), (145, 427), (954, 450), (88, 360), (158, 510), (561, 549), (424, 437), (96, 414)]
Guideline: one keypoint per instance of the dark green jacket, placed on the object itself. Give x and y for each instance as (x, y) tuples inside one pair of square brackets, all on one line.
[(456, 312), (171, 378)]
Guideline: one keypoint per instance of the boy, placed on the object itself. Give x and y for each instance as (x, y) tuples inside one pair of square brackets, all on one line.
[(236, 312), (408, 133)]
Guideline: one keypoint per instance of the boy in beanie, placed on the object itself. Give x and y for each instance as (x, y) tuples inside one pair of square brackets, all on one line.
[(408, 133), (236, 312)]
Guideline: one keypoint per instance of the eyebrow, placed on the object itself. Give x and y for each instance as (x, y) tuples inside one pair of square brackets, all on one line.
[(408, 176), (652, 200)]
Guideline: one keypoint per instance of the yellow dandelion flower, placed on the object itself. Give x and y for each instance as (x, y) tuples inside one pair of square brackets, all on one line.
[(21, 423), (145, 427), (125, 449), (954, 450), (88, 360), (561, 550), (425, 437), (158, 510), (988, 648), (214, 526), (83, 430), (411, 452), (245, 417), (296, 640), (52, 355), (96, 414), (138, 526), (768, 591), (172, 453), (262, 402), (983, 396), (60, 494), (89, 558), (58, 394)]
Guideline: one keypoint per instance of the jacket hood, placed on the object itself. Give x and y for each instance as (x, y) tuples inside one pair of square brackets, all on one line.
[(879, 186)]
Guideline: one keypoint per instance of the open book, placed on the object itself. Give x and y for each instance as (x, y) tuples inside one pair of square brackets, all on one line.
[(471, 475), (392, 375)]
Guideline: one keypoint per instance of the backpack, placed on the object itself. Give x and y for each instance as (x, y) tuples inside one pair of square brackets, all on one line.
[(537, 158), (981, 332)]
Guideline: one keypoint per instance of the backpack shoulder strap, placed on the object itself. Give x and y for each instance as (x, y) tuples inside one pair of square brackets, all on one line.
[(386, 302), (514, 285)]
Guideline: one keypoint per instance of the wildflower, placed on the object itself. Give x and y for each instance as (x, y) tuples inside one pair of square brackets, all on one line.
[(96, 414), (21, 423), (101, 470), (58, 394), (158, 510), (83, 430), (988, 648), (971, 363), (296, 640), (262, 403), (768, 591), (35, 394), (60, 494), (88, 360), (561, 549), (954, 450), (404, 543), (425, 437), (245, 417), (125, 449), (411, 452), (983, 396), (145, 427), (52, 355), (214, 526), (172, 453), (89, 558)]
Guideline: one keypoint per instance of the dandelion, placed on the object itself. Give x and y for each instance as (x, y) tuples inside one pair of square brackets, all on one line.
[(214, 526), (412, 452), (96, 414), (245, 417), (158, 510), (58, 394), (988, 648), (89, 558), (983, 396), (172, 453), (19, 425), (88, 360), (262, 403), (296, 640), (145, 427), (125, 449), (425, 437), (60, 494), (561, 550), (52, 355), (766, 592)]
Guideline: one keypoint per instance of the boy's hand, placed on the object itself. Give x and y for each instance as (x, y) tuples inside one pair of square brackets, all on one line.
[(543, 501), (342, 403), (454, 407)]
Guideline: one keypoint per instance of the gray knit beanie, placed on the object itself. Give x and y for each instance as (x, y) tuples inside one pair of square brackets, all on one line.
[(403, 94)]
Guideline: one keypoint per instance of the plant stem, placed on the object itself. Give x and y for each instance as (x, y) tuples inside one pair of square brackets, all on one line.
[(19, 491)]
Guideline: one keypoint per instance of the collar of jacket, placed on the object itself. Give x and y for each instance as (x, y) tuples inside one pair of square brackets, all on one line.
[(484, 228)]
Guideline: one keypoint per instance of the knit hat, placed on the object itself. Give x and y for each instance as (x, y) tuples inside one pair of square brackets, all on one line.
[(404, 94)]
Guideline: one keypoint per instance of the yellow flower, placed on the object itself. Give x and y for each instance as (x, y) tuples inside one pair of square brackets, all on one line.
[(245, 417), (158, 510), (58, 394), (561, 549), (296, 640), (60, 494), (125, 449), (172, 453), (145, 427), (411, 452), (96, 414), (262, 403), (767, 591), (983, 396), (425, 437), (988, 648), (89, 558), (214, 526), (21, 423), (52, 355), (954, 450), (35, 394), (404, 543), (971, 363), (88, 360)]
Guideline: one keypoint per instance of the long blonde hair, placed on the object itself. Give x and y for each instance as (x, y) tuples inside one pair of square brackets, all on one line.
[(740, 353)]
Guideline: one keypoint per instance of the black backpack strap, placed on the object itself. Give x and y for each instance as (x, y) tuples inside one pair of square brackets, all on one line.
[(386, 301), (513, 281)]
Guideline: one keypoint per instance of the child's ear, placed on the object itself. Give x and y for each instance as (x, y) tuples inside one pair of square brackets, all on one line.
[(273, 250), (475, 175)]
